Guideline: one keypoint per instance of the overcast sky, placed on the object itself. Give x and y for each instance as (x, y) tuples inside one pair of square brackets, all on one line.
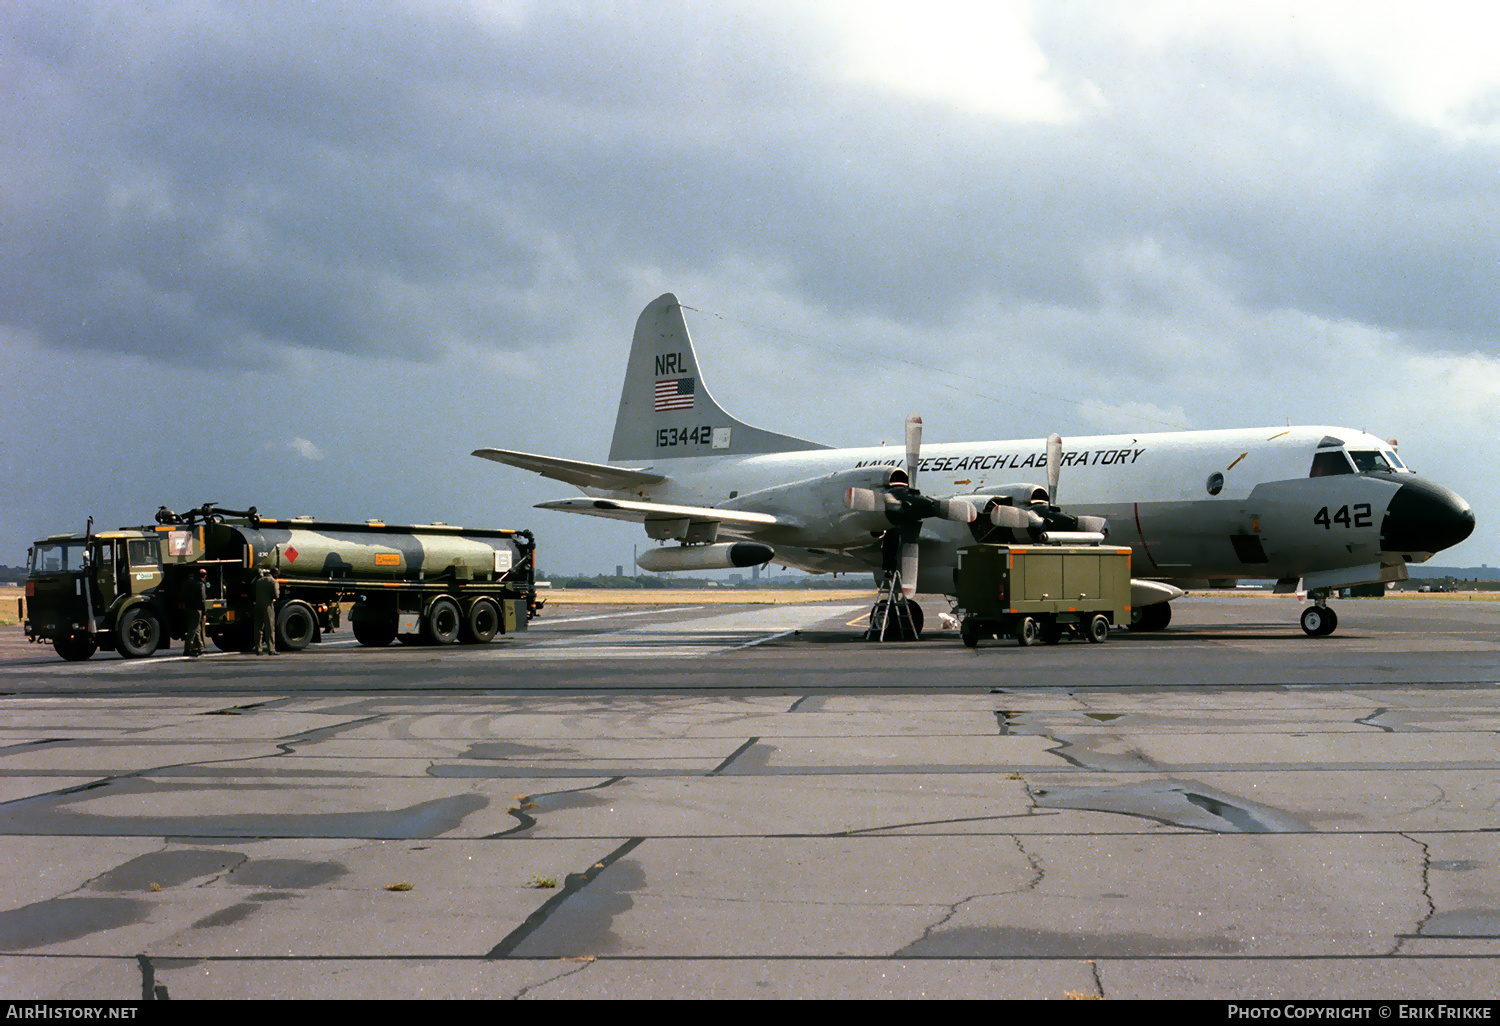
[(309, 256)]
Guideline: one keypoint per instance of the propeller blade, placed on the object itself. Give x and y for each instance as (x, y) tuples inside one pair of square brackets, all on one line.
[(909, 568), (913, 447), (959, 510), (1054, 466)]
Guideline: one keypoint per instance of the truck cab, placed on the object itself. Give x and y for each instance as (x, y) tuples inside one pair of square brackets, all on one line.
[(102, 590)]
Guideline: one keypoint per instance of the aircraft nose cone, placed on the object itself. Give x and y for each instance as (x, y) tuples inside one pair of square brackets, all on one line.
[(1425, 517)]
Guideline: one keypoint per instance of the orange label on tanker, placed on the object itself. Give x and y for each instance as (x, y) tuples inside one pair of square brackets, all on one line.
[(387, 559)]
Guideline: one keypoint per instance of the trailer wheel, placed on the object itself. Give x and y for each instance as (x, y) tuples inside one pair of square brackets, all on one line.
[(140, 633), (374, 633), (482, 623), (75, 648), (1026, 631), (296, 626), (969, 633), (443, 621), (1098, 628), (230, 639)]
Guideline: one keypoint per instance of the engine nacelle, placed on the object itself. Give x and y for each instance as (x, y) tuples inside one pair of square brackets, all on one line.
[(722, 556)]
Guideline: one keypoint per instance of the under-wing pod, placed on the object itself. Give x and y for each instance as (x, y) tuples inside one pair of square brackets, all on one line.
[(721, 556)]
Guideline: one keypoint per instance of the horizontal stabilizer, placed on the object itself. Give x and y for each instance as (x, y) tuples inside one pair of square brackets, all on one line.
[(574, 472), (640, 512)]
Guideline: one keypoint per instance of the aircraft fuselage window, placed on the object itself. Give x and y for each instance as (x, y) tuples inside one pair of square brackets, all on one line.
[(1369, 459), (1333, 461)]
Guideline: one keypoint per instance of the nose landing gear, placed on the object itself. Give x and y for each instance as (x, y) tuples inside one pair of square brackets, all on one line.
[(1318, 620)]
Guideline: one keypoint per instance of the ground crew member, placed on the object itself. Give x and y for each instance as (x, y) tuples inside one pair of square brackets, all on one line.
[(264, 591), (194, 603)]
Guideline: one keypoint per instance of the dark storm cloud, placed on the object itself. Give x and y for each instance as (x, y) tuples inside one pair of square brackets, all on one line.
[(197, 178)]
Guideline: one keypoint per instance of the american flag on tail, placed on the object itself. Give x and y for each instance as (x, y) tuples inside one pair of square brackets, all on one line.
[(674, 394)]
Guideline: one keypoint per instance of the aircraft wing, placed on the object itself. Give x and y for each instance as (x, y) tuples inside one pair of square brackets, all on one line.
[(640, 512), (574, 472)]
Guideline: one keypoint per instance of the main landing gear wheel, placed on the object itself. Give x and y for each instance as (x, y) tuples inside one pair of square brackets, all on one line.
[(1319, 621), (892, 628), (1151, 618)]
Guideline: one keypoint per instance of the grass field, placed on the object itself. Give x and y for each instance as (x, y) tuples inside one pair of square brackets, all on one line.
[(10, 596)]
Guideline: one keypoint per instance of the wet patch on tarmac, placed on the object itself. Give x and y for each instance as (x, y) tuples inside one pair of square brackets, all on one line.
[(529, 806), (1466, 922), (577, 921), (751, 757), (1455, 865), (506, 750), (161, 869), (48, 814), (1175, 803), (64, 919), (286, 874), (228, 916), (582, 924), (1019, 942)]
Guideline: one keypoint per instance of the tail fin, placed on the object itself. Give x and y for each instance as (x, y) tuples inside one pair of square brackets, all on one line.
[(665, 408)]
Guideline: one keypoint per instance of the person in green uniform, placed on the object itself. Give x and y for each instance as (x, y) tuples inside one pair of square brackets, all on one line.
[(264, 591), (194, 602)]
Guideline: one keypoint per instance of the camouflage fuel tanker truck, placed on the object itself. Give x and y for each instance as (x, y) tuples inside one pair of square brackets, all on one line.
[(428, 584)]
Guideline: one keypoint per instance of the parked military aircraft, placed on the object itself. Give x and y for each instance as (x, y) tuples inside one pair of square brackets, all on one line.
[(1327, 506)]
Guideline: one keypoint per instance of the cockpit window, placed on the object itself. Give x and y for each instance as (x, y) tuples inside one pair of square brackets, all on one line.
[(1395, 460), (1369, 459), (1329, 462)]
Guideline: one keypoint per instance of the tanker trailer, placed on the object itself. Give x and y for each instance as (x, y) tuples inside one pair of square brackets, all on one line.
[(429, 583)]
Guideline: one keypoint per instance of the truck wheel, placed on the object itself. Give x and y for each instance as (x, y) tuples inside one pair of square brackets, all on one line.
[(443, 622), (374, 633), (1098, 628), (75, 648), (140, 633), (969, 633), (230, 639), (482, 623), (1026, 631), (296, 626)]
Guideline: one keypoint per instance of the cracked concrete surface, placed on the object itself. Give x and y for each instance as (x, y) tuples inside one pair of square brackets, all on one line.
[(741, 835)]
